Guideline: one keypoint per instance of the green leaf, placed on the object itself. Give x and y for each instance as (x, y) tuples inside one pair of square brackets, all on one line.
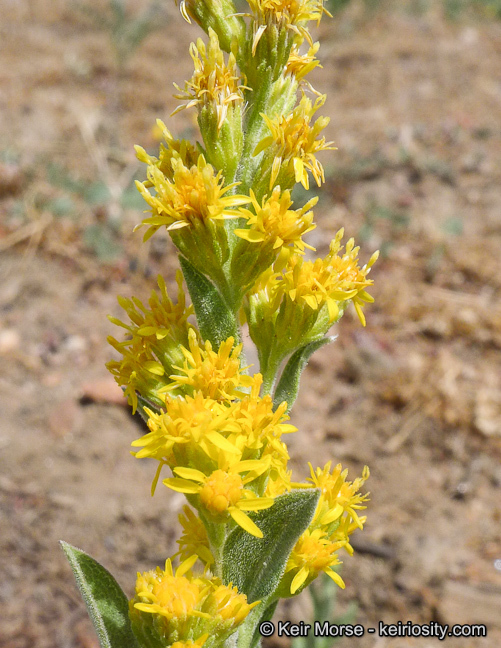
[(288, 386), (215, 320), (267, 616), (97, 193), (100, 239), (256, 565), (132, 199), (107, 605)]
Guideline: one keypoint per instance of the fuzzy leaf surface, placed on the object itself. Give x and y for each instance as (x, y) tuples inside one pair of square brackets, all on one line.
[(256, 565), (215, 320), (288, 386), (107, 605)]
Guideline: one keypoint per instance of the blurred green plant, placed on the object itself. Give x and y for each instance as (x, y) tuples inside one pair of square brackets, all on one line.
[(112, 191), (127, 29), (101, 238), (452, 9), (396, 220), (323, 593)]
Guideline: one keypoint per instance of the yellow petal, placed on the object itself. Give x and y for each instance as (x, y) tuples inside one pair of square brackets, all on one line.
[(332, 515), (147, 330), (360, 313), (258, 466), (336, 578), (257, 38), (186, 565), (333, 309), (250, 235), (156, 478), (263, 144), (182, 485), (256, 504), (245, 522), (299, 579), (154, 368), (311, 301), (190, 473), (220, 442), (298, 169)]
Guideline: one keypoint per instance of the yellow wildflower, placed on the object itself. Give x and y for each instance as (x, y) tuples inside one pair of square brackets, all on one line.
[(179, 606), (332, 281), (214, 81), (274, 223), (338, 496), (176, 150), (279, 481), (222, 494), (169, 594), (216, 375), (260, 422), (232, 606), (289, 14), (299, 65), (346, 526), (191, 644), (312, 554), (193, 195), (191, 432), (293, 143), (194, 538), (206, 434), (266, 297), (152, 349)]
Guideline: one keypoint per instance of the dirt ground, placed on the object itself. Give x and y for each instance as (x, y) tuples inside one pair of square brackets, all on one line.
[(415, 106)]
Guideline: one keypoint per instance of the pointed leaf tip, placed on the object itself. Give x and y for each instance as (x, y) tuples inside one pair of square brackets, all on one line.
[(107, 605), (288, 386), (281, 525)]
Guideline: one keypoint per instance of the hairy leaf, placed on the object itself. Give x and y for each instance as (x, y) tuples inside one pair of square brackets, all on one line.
[(107, 604), (256, 565), (288, 386), (215, 320)]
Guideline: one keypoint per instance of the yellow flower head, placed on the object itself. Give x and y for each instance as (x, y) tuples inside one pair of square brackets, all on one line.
[(293, 142), (193, 194), (273, 222), (191, 644), (208, 435), (266, 295), (177, 605), (332, 281), (194, 538), (152, 347), (222, 493), (312, 554), (216, 375), (214, 81), (193, 431), (299, 65), (288, 14), (261, 424), (231, 606), (176, 150), (279, 481), (338, 496), (169, 594)]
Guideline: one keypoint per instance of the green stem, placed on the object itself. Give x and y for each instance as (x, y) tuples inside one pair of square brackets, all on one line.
[(269, 369), (254, 130), (217, 536)]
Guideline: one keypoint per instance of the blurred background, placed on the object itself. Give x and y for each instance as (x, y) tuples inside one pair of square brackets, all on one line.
[(414, 95)]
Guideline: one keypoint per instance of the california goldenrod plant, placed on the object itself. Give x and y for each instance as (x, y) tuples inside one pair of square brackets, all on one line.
[(250, 534)]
